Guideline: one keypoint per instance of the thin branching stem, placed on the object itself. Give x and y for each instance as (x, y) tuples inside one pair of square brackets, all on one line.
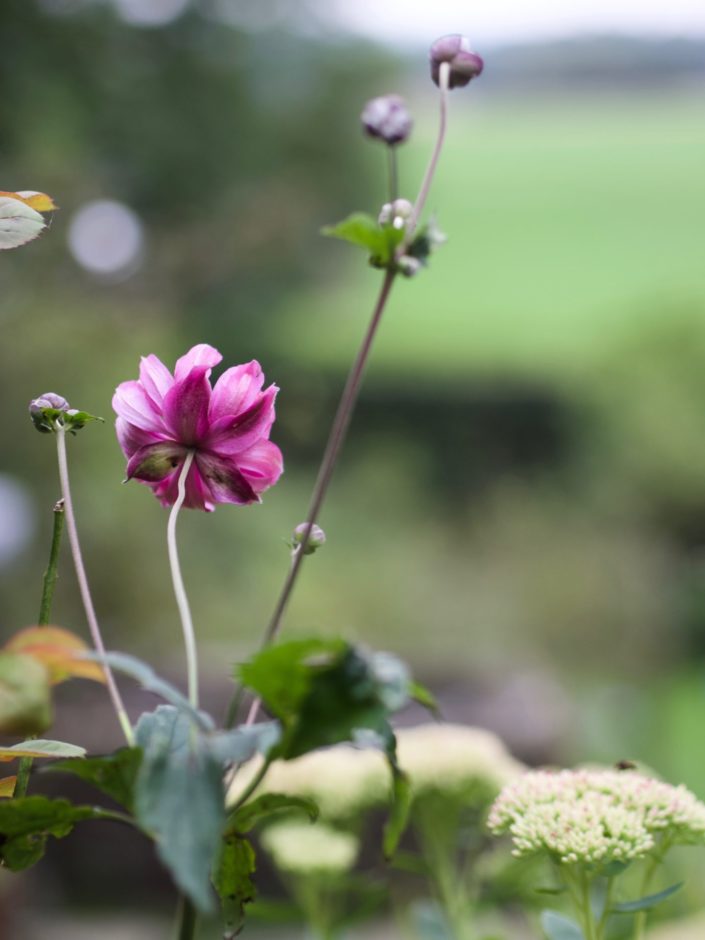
[(93, 626)]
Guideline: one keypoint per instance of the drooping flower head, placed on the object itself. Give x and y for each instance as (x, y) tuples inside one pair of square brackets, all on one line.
[(162, 417)]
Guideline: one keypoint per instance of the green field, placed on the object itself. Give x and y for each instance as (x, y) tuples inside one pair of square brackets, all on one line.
[(571, 222)]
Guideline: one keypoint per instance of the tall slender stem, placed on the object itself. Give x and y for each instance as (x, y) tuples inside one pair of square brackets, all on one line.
[(118, 705), (325, 473), (350, 393), (24, 767), (649, 872), (393, 172), (178, 582), (51, 574), (443, 79)]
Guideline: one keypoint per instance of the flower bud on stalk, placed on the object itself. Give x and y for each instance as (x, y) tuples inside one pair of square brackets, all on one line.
[(316, 539), (464, 63), (387, 118), (396, 213), (45, 410)]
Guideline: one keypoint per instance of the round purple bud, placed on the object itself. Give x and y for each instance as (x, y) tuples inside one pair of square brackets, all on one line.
[(387, 118), (316, 538), (464, 63), (48, 400)]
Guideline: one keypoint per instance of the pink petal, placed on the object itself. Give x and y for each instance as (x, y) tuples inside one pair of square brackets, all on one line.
[(224, 480), (131, 402), (186, 406), (236, 390), (198, 496), (155, 378), (155, 461), (229, 436), (261, 465), (131, 438), (201, 355)]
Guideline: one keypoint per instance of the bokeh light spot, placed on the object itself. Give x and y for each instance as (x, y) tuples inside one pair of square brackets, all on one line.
[(106, 237)]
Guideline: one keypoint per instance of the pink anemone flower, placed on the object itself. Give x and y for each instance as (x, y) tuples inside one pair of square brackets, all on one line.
[(162, 417)]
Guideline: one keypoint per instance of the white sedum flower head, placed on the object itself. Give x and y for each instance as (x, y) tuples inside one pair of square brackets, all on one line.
[(304, 849), (342, 780), (595, 816), (450, 758)]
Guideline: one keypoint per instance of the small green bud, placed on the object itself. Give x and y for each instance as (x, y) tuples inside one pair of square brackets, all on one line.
[(316, 539)]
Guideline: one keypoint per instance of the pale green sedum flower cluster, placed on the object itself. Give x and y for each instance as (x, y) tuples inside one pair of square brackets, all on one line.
[(304, 849), (345, 781), (595, 816)]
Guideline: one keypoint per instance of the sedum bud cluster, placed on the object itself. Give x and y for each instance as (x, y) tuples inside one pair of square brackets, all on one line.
[(464, 63), (387, 118), (302, 849), (595, 817)]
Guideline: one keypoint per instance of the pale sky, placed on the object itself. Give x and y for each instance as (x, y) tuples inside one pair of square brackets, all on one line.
[(491, 21)]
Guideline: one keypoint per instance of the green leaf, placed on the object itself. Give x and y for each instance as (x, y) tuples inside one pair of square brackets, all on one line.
[(646, 903), (38, 747), (381, 241), (419, 693), (147, 677), (242, 743), (281, 674), (326, 691), (558, 927), (399, 815), (232, 879), (27, 822), (114, 775), (245, 818), (19, 222), (25, 706), (180, 799)]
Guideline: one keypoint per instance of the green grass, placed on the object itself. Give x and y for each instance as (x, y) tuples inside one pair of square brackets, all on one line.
[(570, 222)]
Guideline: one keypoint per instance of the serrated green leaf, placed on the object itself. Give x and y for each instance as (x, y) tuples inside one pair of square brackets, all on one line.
[(27, 822), (180, 799), (25, 705), (558, 927), (245, 818), (114, 774), (646, 903), (232, 879)]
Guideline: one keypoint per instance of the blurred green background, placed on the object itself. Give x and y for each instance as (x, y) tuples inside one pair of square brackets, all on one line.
[(520, 509)]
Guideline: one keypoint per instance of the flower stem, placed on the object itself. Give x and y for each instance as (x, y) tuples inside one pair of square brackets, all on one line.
[(24, 767), (443, 79), (325, 473), (187, 919), (654, 862), (349, 396), (118, 705), (179, 589), (51, 574), (393, 172)]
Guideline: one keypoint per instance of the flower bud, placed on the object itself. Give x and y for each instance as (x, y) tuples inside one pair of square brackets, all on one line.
[(315, 540), (464, 63), (44, 410), (387, 118), (409, 266), (396, 213)]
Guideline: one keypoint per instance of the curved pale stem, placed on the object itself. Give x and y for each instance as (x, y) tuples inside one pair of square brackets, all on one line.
[(93, 626), (443, 79), (178, 582)]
